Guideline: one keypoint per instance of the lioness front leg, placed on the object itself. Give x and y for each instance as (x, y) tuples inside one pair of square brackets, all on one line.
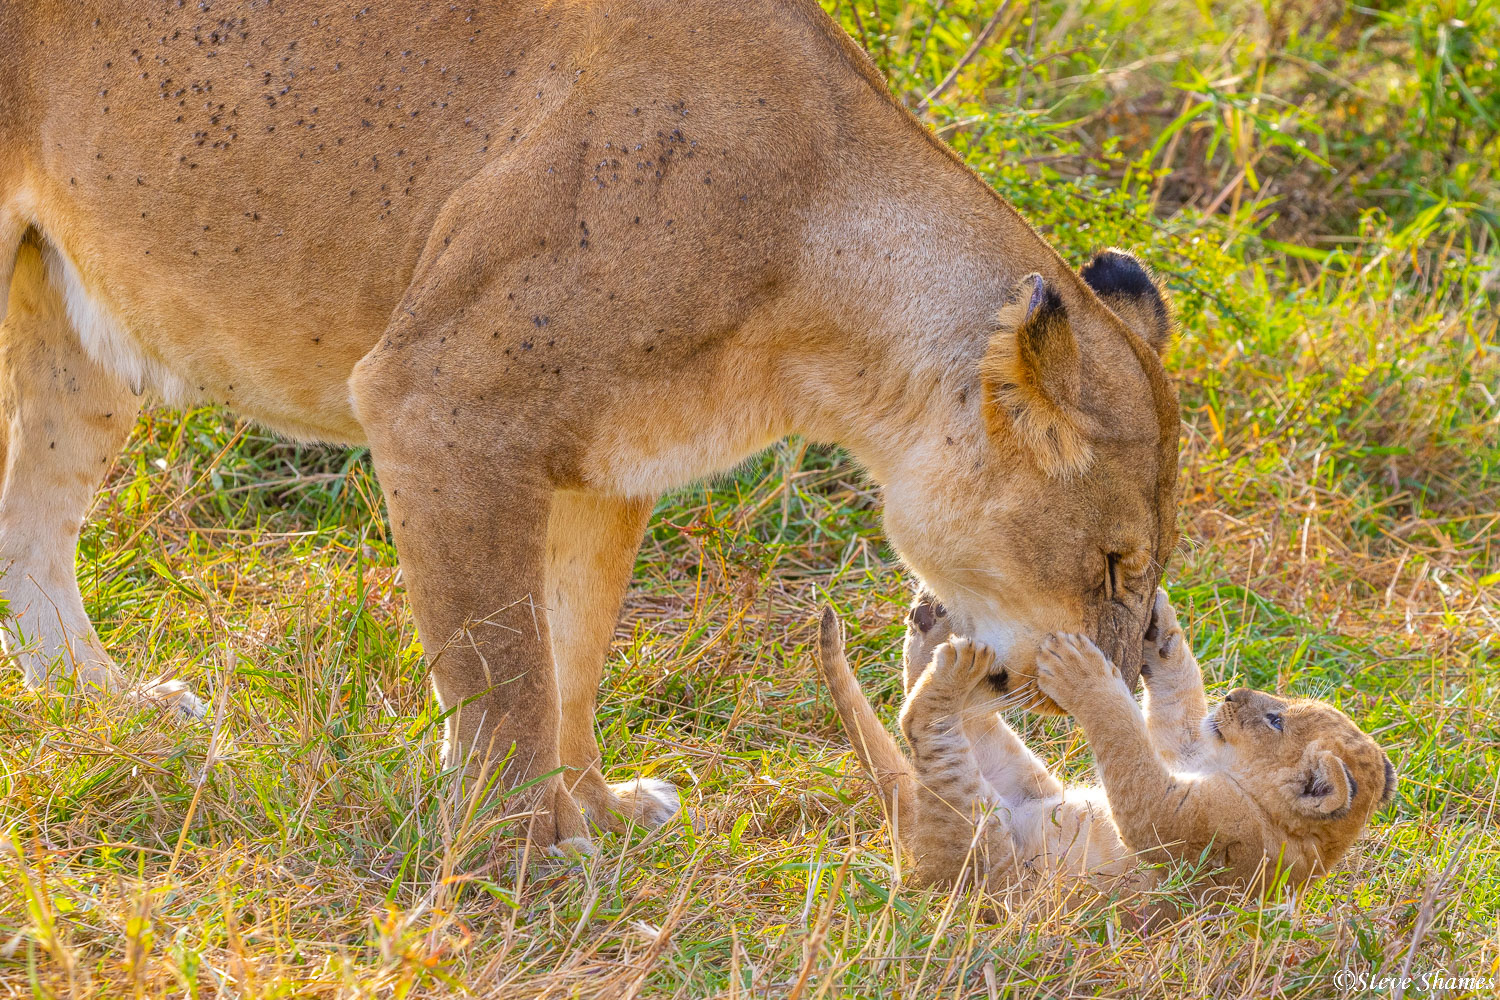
[(592, 540), (469, 514), (62, 419)]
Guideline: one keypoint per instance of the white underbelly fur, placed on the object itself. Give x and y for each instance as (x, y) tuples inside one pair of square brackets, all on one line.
[(106, 339)]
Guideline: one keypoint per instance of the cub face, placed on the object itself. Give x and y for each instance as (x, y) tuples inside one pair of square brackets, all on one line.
[(1062, 517), (1300, 758)]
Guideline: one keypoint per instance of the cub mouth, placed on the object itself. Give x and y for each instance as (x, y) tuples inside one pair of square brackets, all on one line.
[(1212, 723)]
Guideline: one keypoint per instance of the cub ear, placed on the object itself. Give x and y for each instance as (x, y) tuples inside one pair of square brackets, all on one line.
[(1031, 373), (1126, 287), (1327, 787), (1389, 792)]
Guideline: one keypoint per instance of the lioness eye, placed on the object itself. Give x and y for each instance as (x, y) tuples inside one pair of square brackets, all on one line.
[(1274, 721)]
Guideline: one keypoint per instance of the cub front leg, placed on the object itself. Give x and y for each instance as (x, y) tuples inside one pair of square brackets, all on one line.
[(1144, 797), (1175, 701)]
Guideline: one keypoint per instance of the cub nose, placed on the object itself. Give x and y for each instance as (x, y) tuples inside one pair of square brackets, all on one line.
[(1238, 696)]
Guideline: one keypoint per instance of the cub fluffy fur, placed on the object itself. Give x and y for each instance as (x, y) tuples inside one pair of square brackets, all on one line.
[(1262, 784)]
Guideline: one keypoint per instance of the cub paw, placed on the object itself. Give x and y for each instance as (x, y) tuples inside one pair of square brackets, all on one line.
[(928, 626), (1068, 667), (1165, 644), (962, 663), (929, 617)]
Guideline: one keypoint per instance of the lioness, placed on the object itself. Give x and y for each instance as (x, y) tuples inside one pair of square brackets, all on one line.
[(1263, 785), (548, 260)]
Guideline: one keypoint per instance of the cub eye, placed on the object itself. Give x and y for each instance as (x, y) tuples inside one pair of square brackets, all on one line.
[(1274, 721)]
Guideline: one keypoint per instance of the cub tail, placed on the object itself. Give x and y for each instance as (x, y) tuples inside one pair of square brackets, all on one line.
[(873, 744)]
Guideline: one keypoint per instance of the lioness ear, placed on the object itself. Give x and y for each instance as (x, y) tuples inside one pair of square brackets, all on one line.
[(1328, 789), (1031, 374), (1123, 284)]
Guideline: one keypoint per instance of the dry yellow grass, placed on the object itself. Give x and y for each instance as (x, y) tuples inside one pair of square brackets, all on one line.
[(1341, 497)]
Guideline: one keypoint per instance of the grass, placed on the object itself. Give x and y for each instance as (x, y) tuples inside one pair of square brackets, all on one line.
[(1317, 184)]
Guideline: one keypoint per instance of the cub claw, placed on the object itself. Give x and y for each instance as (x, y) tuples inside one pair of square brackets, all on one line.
[(971, 661), (1164, 638), (1068, 663)]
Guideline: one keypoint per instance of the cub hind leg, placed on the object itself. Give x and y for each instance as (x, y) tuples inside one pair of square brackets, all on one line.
[(1011, 769), (62, 418), (960, 818)]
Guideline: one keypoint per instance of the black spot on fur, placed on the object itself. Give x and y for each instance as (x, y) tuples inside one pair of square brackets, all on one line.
[(1113, 274), (1000, 682)]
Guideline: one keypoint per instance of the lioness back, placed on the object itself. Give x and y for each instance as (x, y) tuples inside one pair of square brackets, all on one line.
[(290, 163)]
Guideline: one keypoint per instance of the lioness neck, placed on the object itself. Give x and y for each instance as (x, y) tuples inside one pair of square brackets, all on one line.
[(898, 298)]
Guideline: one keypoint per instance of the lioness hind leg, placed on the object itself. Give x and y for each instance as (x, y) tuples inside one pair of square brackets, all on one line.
[(64, 418), (592, 539)]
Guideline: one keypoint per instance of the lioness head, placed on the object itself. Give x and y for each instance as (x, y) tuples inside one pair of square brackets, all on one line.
[(1303, 760), (1058, 512)]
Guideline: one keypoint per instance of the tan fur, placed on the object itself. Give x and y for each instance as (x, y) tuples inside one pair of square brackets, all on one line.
[(974, 798), (1264, 803), (1031, 375), (547, 260)]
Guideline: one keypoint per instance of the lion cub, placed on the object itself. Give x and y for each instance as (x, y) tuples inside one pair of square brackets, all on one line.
[(1263, 783)]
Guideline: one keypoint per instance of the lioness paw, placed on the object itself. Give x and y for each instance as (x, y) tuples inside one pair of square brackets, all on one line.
[(574, 849), (647, 802), (173, 694)]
